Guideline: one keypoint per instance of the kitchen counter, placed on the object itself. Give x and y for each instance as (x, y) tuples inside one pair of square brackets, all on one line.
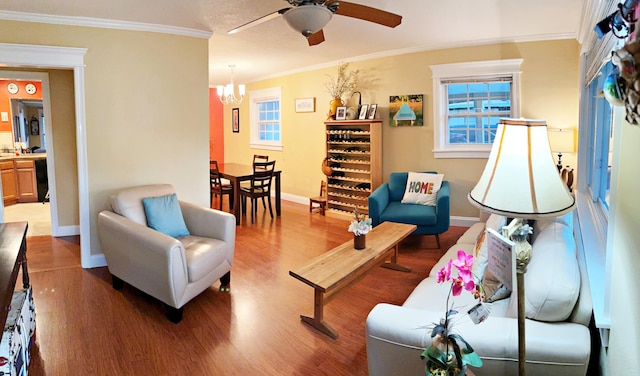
[(32, 156)]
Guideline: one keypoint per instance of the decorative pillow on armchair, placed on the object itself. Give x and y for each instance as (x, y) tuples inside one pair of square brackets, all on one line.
[(422, 188), (164, 215)]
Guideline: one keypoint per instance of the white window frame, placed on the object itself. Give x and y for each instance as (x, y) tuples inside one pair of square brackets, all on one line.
[(255, 98), (472, 71)]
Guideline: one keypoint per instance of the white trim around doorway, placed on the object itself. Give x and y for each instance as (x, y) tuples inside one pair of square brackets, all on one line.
[(34, 56)]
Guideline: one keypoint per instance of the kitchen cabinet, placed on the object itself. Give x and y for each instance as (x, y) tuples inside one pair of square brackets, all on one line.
[(26, 176), (9, 182)]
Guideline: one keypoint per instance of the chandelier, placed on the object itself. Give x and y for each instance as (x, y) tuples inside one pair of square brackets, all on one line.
[(227, 93)]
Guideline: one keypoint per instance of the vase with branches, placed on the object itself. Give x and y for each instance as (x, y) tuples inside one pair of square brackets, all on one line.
[(345, 82)]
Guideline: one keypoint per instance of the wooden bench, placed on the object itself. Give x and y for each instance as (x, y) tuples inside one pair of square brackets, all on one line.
[(342, 266)]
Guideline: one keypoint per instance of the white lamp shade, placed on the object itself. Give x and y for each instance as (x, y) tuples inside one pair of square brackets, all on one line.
[(521, 179), (307, 19), (220, 90), (562, 140)]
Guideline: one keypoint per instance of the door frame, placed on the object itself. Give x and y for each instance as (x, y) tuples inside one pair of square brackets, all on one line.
[(48, 57)]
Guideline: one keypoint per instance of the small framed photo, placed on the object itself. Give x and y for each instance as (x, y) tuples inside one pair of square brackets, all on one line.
[(341, 113), (364, 111), (306, 104), (372, 111), (235, 120)]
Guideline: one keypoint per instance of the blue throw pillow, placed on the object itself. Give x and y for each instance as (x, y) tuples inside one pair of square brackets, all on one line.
[(164, 215)]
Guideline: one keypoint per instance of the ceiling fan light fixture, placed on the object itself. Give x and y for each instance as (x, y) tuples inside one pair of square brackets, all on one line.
[(307, 19)]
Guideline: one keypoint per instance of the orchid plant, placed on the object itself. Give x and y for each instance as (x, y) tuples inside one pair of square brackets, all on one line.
[(446, 356), (359, 225)]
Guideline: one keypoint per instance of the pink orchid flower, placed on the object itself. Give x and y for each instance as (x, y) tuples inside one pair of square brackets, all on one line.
[(464, 263), (444, 274), (459, 283)]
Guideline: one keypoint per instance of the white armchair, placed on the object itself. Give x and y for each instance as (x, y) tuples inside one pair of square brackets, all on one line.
[(172, 270)]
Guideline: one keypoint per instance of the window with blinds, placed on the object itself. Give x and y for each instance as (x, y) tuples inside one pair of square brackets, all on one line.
[(468, 100), (474, 107)]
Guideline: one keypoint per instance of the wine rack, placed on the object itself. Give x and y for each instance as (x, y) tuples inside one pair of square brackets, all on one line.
[(354, 149)]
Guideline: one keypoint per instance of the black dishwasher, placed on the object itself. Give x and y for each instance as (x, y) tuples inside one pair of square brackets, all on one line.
[(42, 180)]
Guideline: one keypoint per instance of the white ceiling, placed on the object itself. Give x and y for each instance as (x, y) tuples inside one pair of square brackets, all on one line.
[(272, 48)]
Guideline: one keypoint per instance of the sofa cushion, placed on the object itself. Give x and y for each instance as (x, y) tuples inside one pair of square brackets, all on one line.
[(422, 188), (419, 215), (552, 280), (432, 296), (163, 214)]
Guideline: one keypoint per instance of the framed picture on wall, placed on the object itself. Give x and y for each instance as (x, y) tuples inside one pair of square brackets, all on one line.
[(306, 104), (235, 119)]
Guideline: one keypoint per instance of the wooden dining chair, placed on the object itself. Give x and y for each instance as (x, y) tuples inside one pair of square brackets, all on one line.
[(219, 185), (261, 158), (320, 200), (260, 187)]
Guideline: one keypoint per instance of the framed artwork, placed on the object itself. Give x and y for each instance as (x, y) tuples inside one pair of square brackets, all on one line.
[(341, 113), (235, 119), (306, 104), (406, 110), (364, 110), (372, 111)]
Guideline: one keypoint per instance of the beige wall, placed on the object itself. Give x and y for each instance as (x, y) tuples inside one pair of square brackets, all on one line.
[(550, 73), (63, 125), (146, 108)]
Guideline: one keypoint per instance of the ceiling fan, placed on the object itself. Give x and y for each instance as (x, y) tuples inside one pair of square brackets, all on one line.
[(308, 17)]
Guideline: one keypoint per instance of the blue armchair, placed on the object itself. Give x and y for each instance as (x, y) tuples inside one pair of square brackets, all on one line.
[(385, 206)]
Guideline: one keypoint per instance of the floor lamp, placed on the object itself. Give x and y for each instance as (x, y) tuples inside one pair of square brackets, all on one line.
[(521, 181)]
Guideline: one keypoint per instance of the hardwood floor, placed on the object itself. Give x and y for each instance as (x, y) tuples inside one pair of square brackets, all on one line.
[(85, 327)]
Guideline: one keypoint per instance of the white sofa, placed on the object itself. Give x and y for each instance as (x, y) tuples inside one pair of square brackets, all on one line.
[(172, 270), (558, 310)]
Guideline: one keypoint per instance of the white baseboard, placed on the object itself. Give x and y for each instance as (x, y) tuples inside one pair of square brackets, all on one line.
[(95, 261), (463, 221), (65, 231), (295, 198)]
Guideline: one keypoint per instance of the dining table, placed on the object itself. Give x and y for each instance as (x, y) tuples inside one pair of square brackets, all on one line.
[(237, 173)]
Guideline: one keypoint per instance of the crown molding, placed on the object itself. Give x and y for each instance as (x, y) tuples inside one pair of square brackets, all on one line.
[(103, 23), (434, 47)]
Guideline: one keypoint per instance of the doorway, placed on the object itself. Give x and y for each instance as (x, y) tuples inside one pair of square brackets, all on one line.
[(29, 129), (21, 112)]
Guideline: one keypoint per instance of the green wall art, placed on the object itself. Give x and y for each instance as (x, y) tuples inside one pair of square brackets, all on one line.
[(406, 110)]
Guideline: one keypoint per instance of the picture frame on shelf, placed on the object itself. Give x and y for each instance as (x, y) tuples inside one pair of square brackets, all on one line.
[(341, 113), (235, 120), (372, 111), (364, 110), (306, 104)]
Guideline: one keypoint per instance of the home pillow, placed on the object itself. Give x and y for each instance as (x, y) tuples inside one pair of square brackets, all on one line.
[(164, 215), (552, 280), (422, 188)]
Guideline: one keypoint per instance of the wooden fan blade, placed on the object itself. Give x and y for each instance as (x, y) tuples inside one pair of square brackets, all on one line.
[(258, 21), (366, 13), (316, 38)]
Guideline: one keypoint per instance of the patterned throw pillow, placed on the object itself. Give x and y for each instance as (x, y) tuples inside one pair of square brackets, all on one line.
[(422, 188)]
